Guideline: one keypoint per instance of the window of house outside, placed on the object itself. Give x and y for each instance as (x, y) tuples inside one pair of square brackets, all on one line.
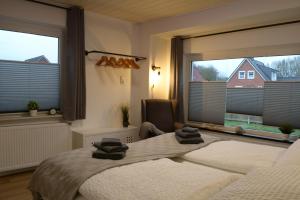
[(29, 71), (261, 106), (251, 74), (241, 74)]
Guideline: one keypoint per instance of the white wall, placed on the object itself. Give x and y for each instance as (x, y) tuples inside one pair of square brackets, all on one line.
[(107, 88)]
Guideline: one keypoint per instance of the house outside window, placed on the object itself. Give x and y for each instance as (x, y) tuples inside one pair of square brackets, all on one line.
[(242, 74), (29, 71), (251, 74)]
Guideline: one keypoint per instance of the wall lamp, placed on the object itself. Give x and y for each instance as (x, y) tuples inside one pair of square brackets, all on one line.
[(154, 68)]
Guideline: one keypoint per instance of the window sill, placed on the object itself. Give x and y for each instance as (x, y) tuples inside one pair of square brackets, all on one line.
[(248, 133), (24, 118)]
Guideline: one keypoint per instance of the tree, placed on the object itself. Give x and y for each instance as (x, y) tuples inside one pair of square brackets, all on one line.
[(208, 73), (287, 67)]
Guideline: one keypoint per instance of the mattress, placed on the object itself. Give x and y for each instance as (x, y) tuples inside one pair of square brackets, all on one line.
[(235, 156), (157, 180), (291, 155)]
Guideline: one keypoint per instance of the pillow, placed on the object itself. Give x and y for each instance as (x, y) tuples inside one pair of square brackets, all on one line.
[(235, 156), (291, 156), (280, 183)]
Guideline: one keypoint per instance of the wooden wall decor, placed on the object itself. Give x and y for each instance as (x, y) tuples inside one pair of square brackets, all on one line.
[(117, 63)]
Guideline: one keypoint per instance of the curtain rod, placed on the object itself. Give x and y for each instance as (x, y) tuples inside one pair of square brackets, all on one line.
[(243, 29), (48, 4), (137, 58)]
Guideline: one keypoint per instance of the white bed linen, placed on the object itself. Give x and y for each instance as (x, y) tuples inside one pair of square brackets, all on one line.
[(235, 156), (157, 180)]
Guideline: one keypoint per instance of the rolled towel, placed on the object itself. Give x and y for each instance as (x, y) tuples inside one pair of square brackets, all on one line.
[(183, 134), (113, 156), (107, 142), (110, 149), (194, 140), (190, 129)]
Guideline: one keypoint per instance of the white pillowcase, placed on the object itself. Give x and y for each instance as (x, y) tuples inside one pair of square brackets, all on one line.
[(235, 156), (291, 156)]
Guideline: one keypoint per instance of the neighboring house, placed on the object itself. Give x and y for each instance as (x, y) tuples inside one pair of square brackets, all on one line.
[(38, 59), (294, 78), (251, 74), (196, 74)]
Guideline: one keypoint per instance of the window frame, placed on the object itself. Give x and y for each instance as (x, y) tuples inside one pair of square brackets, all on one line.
[(239, 75), (26, 26), (248, 76)]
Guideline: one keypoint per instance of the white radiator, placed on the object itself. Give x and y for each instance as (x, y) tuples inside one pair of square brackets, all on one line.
[(28, 145)]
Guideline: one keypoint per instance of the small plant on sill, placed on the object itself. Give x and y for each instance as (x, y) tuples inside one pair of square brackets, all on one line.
[(33, 107), (125, 115), (286, 129)]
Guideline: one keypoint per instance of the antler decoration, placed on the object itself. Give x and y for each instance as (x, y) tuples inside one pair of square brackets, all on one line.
[(120, 63)]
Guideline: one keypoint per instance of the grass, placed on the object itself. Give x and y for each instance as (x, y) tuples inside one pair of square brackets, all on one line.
[(255, 126)]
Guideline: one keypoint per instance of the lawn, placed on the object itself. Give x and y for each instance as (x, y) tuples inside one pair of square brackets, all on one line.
[(255, 126)]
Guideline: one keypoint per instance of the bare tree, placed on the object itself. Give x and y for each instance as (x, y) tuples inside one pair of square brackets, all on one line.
[(208, 73), (287, 67)]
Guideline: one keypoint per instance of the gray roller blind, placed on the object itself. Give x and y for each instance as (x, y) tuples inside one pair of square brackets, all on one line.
[(248, 101), (207, 102), (282, 103), (21, 82)]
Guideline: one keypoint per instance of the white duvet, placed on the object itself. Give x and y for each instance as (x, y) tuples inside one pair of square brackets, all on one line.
[(235, 156), (157, 180)]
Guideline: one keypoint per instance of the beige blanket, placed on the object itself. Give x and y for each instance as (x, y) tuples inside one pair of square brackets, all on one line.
[(59, 177)]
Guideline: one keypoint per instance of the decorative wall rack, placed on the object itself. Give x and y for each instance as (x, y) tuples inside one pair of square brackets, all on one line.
[(137, 58)]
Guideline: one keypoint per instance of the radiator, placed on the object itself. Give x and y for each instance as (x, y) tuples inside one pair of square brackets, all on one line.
[(28, 145)]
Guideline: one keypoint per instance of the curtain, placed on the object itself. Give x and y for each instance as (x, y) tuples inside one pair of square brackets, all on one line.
[(73, 73), (176, 77)]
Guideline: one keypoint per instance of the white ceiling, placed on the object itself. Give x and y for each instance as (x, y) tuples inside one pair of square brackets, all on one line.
[(142, 10)]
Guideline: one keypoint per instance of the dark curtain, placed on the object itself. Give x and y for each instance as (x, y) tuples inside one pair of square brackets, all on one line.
[(73, 73), (176, 77)]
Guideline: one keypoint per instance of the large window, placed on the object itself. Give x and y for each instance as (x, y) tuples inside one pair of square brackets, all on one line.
[(268, 98), (29, 71)]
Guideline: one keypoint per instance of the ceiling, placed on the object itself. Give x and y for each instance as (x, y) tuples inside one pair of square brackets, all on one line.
[(142, 10)]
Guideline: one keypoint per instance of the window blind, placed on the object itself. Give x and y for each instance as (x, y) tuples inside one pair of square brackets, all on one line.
[(21, 82), (207, 102), (282, 103), (248, 101)]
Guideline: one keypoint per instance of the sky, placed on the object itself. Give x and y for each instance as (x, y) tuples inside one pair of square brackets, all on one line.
[(22, 46), (226, 67)]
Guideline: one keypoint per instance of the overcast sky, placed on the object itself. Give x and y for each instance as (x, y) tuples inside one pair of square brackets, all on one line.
[(22, 46), (226, 67)]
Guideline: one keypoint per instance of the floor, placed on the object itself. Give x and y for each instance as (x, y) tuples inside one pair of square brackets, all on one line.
[(14, 187)]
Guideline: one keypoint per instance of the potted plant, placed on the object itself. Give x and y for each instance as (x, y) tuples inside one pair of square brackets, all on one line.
[(33, 107), (286, 129), (125, 115)]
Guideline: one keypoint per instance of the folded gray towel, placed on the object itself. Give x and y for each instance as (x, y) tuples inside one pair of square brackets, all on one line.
[(183, 134), (107, 142), (110, 149), (190, 129), (194, 140), (113, 156)]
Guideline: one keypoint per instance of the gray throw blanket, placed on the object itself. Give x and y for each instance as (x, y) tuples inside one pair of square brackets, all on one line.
[(59, 177), (149, 130)]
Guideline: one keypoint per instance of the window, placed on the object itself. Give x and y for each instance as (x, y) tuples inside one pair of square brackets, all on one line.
[(241, 74), (251, 74), (259, 108), (29, 70)]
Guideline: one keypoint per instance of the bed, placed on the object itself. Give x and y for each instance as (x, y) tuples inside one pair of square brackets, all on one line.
[(206, 173)]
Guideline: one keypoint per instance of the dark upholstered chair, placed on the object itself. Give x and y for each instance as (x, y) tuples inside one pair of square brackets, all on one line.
[(159, 112)]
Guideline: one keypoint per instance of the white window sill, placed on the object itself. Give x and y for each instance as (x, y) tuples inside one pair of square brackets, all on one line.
[(11, 119)]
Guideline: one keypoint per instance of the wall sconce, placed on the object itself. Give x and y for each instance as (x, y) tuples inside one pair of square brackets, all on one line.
[(154, 68)]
